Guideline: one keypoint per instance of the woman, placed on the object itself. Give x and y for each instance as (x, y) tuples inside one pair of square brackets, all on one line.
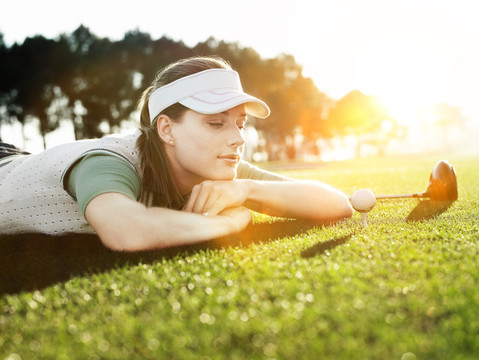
[(178, 180)]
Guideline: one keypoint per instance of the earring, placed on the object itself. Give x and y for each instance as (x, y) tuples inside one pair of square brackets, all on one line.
[(171, 142)]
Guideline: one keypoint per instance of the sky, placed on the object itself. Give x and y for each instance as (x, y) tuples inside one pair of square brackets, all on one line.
[(411, 54)]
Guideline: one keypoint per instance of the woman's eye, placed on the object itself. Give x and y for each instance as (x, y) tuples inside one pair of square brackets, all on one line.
[(216, 124)]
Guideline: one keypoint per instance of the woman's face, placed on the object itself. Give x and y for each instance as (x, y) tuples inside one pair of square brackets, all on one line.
[(206, 147)]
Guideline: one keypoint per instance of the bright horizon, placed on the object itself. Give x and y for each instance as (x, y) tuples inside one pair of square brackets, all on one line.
[(410, 54)]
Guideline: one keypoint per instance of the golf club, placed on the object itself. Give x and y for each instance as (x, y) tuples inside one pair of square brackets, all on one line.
[(442, 185)]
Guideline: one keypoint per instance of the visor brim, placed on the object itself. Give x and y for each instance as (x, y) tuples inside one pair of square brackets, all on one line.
[(218, 101)]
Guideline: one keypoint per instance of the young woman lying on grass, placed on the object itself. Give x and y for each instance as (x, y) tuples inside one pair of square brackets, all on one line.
[(178, 180)]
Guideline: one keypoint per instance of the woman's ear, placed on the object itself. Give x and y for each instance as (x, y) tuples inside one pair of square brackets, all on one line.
[(164, 127)]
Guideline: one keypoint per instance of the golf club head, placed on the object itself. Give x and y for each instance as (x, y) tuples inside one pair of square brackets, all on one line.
[(442, 183)]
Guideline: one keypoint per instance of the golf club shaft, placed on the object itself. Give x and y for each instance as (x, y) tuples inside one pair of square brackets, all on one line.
[(402, 196)]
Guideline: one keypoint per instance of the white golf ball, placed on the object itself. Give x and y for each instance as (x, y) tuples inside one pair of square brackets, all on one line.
[(363, 200)]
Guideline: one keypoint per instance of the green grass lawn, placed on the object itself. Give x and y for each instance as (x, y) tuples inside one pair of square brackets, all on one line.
[(405, 287)]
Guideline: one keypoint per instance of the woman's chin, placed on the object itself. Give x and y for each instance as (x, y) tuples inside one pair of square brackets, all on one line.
[(228, 174)]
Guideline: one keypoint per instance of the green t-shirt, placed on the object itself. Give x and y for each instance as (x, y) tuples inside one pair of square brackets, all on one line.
[(96, 174)]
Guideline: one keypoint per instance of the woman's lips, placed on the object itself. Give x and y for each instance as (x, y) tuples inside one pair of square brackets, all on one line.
[(231, 159)]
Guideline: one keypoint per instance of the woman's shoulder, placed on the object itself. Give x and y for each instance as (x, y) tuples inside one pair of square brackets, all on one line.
[(247, 170)]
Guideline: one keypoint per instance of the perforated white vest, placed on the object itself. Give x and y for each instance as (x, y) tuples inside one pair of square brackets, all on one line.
[(33, 196)]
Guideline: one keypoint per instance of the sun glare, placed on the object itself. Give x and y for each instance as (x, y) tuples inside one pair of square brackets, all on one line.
[(405, 80)]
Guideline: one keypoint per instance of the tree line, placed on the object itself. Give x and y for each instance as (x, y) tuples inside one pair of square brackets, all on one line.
[(95, 83)]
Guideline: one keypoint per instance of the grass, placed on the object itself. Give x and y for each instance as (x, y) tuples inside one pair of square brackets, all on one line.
[(405, 287)]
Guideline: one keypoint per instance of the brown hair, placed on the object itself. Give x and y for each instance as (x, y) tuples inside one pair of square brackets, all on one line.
[(157, 176)]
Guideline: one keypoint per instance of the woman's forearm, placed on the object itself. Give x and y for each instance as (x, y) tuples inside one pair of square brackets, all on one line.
[(125, 225), (174, 228), (297, 199)]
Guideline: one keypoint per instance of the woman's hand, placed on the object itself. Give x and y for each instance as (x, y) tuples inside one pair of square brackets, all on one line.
[(240, 217), (213, 197)]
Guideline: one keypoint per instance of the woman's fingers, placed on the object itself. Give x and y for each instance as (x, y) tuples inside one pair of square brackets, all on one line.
[(202, 198), (212, 197), (191, 201), (203, 193)]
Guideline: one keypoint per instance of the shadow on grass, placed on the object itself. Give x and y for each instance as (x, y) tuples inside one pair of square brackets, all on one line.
[(321, 247), (34, 261), (428, 209)]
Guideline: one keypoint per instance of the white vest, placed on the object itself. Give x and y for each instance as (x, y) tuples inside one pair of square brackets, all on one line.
[(33, 196)]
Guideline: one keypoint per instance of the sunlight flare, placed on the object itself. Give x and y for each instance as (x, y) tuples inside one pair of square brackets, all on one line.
[(404, 78)]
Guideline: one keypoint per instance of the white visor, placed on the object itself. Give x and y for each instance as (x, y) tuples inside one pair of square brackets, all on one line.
[(207, 92)]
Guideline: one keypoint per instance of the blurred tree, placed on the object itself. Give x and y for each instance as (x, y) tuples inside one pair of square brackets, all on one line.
[(294, 99), (313, 108), (144, 57), (360, 115), (79, 82), (10, 110), (29, 80), (3, 85), (3, 48), (102, 84), (3, 62)]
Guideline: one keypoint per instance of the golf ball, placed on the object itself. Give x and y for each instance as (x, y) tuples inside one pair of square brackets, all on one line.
[(363, 200)]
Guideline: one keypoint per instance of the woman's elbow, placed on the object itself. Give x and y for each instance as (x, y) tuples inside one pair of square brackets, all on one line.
[(123, 242), (119, 223), (129, 235)]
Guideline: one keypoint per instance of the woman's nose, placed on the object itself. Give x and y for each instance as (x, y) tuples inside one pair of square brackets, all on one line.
[(237, 137)]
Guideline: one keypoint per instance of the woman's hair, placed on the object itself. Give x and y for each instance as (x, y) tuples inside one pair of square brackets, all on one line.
[(154, 162)]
